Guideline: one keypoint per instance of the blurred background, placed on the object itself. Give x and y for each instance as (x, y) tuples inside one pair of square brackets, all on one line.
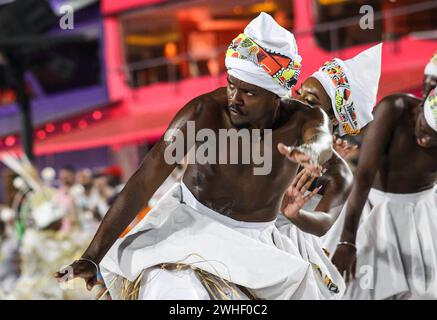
[(81, 106)]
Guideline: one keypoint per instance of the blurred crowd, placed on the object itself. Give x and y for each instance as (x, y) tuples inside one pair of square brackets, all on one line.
[(51, 221)]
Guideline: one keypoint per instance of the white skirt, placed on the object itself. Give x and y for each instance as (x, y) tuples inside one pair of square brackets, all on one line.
[(397, 247), (181, 230), (311, 249)]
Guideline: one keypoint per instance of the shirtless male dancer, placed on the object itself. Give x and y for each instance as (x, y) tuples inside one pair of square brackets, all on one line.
[(388, 244), (214, 235)]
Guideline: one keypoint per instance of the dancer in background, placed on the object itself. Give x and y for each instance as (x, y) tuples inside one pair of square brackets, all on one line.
[(388, 245), (346, 90), (430, 80)]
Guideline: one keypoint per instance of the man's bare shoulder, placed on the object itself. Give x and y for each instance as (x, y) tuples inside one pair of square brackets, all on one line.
[(205, 104), (399, 102), (293, 108), (216, 98)]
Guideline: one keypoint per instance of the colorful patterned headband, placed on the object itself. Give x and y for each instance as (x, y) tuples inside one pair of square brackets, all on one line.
[(344, 106), (284, 70), (431, 103)]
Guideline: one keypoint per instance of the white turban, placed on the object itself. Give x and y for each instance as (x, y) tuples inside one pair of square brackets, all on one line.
[(47, 213), (265, 55), (7, 214), (430, 109), (352, 86), (431, 67)]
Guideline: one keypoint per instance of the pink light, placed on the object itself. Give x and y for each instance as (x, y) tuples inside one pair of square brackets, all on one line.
[(10, 141), (66, 127), (97, 115), (41, 134), (50, 127), (83, 124)]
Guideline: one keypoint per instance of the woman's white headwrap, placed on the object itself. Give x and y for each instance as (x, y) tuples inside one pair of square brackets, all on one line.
[(352, 86), (430, 109), (431, 67), (265, 55)]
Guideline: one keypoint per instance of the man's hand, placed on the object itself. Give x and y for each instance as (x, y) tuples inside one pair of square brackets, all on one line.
[(343, 148), (345, 259), (301, 157), (81, 269), (294, 198)]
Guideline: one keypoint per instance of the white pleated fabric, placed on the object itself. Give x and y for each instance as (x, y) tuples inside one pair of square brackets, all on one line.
[(179, 229), (397, 247), (311, 249), (332, 237)]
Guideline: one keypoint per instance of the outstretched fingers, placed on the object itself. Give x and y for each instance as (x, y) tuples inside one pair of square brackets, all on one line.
[(297, 179), (312, 194)]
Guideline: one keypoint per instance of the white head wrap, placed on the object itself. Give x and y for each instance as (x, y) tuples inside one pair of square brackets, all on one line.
[(47, 213), (246, 62), (352, 86), (431, 67), (7, 214), (430, 109)]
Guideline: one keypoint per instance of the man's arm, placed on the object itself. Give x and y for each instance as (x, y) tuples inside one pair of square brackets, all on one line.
[(315, 134), (337, 183), (375, 142), (139, 189)]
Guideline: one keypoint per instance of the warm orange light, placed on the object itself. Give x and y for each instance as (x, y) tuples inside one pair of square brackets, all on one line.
[(144, 40), (170, 50), (266, 6), (238, 10), (223, 24), (330, 2)]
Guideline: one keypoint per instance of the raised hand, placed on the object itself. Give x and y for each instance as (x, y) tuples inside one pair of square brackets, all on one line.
[(294, 198), (302, 157), (343, 148)]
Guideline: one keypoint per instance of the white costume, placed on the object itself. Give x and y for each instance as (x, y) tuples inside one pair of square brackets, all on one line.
[(181, 230), (396, 240), (397, 247), (431, 67), (216, 256), (352, 86)]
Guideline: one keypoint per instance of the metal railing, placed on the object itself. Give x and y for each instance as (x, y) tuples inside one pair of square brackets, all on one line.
[(331, 27)]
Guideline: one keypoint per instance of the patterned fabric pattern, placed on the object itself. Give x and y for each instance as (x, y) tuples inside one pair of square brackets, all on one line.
[(284, 70), (344, 106)]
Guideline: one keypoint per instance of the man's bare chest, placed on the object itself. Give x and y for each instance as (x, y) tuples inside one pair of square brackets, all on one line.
[(405, 155)]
